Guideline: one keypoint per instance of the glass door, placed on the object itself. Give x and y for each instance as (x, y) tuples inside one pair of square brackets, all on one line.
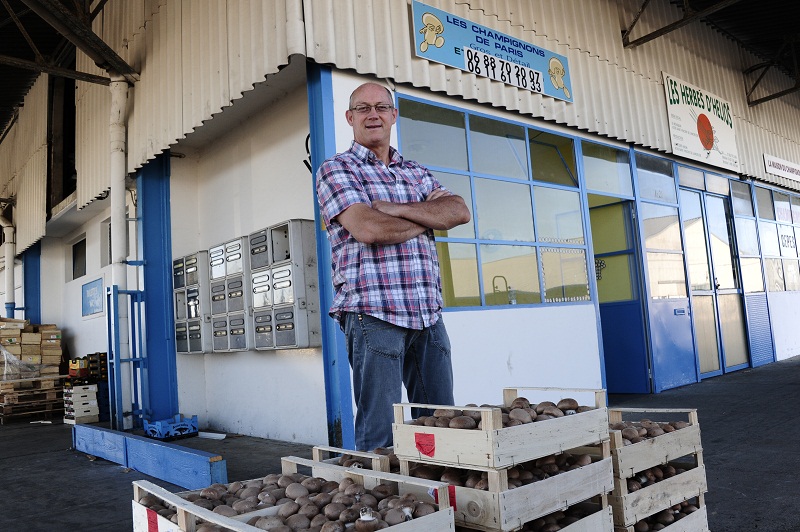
[(716, 297)]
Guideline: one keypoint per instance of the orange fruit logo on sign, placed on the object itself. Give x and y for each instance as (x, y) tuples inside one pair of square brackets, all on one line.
[(705, 131)]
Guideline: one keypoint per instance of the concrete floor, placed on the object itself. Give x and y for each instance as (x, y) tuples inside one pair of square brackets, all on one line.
[(749, 424)]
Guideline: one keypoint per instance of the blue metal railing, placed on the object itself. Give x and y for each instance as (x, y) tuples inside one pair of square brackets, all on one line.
[(137, 357)]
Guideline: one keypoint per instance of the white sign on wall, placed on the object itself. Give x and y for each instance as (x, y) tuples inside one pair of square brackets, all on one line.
[(780, 167), (700, 125)]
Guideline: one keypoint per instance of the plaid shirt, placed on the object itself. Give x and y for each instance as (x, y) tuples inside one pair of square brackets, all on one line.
[(397, 283)]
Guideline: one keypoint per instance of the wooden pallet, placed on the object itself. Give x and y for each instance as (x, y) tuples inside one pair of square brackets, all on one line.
[(498, 447), (50, 381), (44, 409), (31, 394)]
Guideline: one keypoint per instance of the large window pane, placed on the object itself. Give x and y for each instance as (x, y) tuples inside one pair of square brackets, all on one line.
[(667, 279), (742, 202), (656, 181), (498, 148), (553, 158), (787, 240), (783, 210), (718, 184), (796, 209), (774, 270), (764, 204), (459, 185), (610, 225), (770, 245), (689, 177), (510, 275), (607, 169), (558, 216), (721, 243), (504, 210), (695, 234), (565, 276), (661, 228), (433, 136), (752, 280), (614, 278), (791, 274), (746, 236), (458, 266)]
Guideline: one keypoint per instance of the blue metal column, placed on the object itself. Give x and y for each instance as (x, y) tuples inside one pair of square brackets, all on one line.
[(155, 243), (31, 284), (338, 393)]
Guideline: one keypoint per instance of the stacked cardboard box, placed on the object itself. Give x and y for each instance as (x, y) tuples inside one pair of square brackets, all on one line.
[(11, 335), (50, 344)]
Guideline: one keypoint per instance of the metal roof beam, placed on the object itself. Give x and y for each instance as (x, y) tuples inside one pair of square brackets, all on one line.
[(54, 70), (73, 28), (689, 16), (764, 67)]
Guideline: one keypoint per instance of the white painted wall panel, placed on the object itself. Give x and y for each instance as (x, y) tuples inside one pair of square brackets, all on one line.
[(249, 178), (784, 316)]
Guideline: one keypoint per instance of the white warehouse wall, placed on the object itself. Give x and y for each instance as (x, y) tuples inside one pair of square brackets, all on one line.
[(62, 296), (249, 177)]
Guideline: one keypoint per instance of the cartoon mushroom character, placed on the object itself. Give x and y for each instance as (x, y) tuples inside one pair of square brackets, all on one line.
[(431, 32), (557, 72)]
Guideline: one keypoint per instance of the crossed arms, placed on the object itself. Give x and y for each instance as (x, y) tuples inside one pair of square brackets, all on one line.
[(393, 223)]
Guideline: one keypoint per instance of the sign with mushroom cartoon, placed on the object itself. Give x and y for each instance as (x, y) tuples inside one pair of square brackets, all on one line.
[(701, 125), (461, 43)]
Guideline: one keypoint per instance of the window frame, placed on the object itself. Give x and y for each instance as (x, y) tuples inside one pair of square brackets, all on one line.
[(536, 244)]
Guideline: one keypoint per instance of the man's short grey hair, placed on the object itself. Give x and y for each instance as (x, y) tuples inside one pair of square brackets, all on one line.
[(388, 92)]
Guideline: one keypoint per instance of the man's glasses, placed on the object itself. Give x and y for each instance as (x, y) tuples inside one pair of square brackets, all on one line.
[(380, 108)]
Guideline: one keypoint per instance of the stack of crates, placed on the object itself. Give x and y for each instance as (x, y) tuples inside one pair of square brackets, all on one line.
[(98, 367), (80, 404), (638, 498), (494, 451)]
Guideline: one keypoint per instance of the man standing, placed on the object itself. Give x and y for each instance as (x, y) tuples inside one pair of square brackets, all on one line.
[(381, 210)]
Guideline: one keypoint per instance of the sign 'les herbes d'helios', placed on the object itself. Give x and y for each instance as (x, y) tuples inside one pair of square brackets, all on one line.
[(700, 125), (445, 38)]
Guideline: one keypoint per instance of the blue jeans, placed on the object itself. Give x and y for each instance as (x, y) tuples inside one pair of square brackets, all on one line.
[(382, 357)]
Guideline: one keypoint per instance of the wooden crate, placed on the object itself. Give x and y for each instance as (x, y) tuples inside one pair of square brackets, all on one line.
[(694, 522), (632, 507), (682, 445), (630, 459), (189, 515), (600, 521), (330, 455), (498, 447), (501, 508)]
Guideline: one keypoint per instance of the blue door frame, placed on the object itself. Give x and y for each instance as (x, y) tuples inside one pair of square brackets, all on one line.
[(155, 243), (338, 393)]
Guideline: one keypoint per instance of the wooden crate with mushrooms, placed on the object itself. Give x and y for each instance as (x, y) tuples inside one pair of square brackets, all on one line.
[(482, 497), (659, 475), (513, 465), (330, 497), (486, 436)]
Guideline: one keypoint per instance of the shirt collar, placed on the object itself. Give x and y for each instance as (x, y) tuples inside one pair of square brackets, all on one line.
[(366, 155)]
